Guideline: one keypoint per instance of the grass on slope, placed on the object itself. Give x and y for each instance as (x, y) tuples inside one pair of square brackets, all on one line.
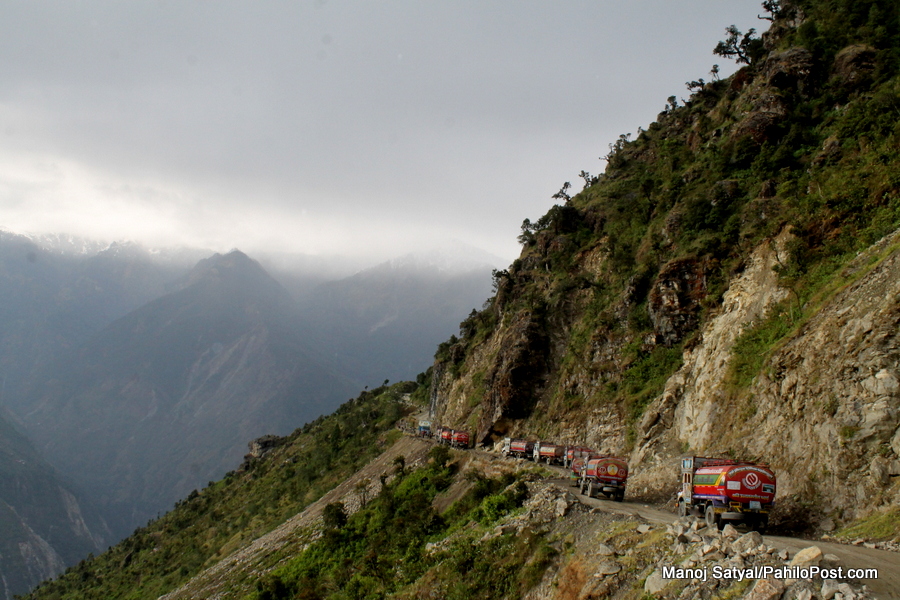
[(382, 549)]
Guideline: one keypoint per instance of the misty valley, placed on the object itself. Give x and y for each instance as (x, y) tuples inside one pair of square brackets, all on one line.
[(132, 377)]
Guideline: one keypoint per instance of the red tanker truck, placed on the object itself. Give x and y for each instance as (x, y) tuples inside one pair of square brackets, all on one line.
[(606, 475), (548, 453), (723, 489), (459, 439), (517, 448)]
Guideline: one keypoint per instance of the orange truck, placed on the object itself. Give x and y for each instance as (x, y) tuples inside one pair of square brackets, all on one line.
[(726, 490), (576, 457)]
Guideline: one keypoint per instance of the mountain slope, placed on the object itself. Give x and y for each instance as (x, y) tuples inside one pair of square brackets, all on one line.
[(679, 302), (271, 487), (44, 523), (166, 397)]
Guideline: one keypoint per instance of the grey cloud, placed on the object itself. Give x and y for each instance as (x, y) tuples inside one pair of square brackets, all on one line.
[(461, 118)]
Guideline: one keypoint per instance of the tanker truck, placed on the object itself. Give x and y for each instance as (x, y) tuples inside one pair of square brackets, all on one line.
[(517, 448), (606, 475), (726, 490)]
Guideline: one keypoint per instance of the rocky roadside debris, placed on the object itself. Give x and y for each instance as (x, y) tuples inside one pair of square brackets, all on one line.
[(706, 561), (890, 545)]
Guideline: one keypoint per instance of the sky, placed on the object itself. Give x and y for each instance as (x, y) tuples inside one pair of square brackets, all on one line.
[(327, 127)]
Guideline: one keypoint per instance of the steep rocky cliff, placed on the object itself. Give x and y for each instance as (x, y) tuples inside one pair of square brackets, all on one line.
[(726, 286)]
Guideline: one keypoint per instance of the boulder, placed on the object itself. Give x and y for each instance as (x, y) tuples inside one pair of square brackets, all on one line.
[(829, 589), (655, 583), (747, 542), (766, 589), (807, 557), (608, 567), (854, 65)]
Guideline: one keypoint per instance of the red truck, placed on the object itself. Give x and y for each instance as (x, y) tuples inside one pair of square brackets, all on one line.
[(548, 453), (459, 439), (723, 489), (606, 475), (517, 448)]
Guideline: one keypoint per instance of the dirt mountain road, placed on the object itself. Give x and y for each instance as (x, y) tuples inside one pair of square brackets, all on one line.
[(886, 586)]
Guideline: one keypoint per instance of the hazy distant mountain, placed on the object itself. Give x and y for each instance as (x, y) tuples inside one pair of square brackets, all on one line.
[(142, 377), (386, 322), (45, 525), (167, 397), (56, 291)]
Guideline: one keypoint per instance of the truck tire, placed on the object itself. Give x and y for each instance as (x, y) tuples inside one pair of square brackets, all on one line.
[(590, 489), (712, 519), (762, 524), (583, 486), (620, 496)]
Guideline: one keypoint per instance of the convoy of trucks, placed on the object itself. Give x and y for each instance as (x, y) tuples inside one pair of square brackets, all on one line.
[(721, 490)]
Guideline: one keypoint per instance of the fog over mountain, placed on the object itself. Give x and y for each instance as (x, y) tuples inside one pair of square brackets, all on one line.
[(141, 375)]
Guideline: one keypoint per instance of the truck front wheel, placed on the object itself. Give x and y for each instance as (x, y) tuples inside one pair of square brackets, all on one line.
[(590, 490), (712, 519)]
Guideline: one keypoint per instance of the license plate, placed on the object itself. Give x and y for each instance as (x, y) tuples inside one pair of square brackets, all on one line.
[(754, 505)]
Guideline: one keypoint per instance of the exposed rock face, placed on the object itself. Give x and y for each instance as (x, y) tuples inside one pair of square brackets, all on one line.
[(511, 367), (789, 69), (826, 401), (853, 66), (675, 300), (685, 414)]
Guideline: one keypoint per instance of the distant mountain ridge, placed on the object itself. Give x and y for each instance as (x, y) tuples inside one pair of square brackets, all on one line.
[(385, 321), (142, 374), (168, 396)]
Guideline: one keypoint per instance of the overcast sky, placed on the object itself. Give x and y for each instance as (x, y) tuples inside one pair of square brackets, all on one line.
[(325, 126)]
